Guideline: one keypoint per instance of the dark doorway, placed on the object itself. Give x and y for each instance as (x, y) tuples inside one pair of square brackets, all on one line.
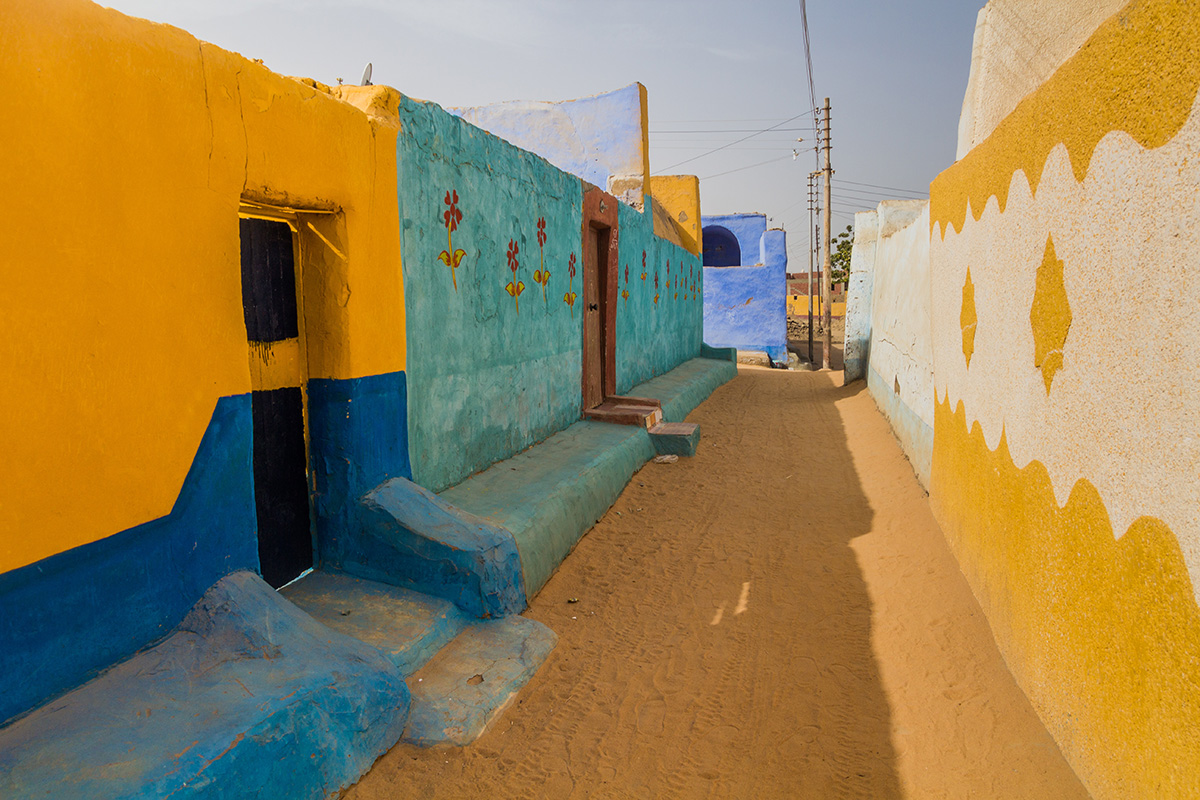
[(600, 255), (721, 247), (281, 497)]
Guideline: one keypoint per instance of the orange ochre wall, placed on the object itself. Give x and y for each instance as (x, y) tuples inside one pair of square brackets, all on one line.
[(130, 146)]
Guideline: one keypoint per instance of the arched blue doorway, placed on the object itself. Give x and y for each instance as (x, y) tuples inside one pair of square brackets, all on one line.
[(721, 248)]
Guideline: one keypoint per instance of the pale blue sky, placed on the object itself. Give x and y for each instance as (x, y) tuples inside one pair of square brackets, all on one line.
[(895, 73)]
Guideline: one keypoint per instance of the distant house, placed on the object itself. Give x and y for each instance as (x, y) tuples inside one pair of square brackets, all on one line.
[(745, 284)]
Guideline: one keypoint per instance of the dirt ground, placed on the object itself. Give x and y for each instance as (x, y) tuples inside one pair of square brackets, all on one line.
[(778, 617)]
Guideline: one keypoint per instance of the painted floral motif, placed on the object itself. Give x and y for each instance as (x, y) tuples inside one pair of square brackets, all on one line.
[(542, 275), (569, 297), (625, 291), (451, 217), (643, 265), (514, 287), (656, 286)]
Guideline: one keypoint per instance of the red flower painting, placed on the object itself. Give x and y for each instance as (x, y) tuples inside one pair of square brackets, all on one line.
[(514, 287), (451, 217), (569, 297), (542, 275)]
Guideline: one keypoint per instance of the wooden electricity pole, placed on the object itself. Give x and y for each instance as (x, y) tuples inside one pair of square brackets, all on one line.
[(826, 283), (808, 285)]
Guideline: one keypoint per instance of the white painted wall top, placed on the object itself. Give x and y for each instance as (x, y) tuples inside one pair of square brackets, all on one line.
[(1018, 45)]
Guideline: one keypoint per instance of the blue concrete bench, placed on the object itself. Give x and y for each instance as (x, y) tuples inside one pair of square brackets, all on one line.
[(492, 541), (249, 697), (554, 492)]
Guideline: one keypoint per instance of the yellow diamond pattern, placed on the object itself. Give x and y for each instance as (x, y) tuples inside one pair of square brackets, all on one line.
[(1050, 316), (967, 319)]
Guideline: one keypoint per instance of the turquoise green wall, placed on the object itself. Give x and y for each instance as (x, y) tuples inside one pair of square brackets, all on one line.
[(653, 338), (485, 379)]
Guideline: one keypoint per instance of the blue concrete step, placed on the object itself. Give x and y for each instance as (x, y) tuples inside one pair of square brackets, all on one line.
[(249, 697), (438, 647), (406, 626), (470, 682)]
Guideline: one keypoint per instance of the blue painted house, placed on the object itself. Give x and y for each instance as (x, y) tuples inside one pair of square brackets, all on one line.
[(745, 284)]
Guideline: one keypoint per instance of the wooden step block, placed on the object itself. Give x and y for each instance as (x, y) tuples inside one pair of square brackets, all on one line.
[(646, 412), (675, 438)]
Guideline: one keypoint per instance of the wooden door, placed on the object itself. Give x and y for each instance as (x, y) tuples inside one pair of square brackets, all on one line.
[(600, 253), (594, 260)]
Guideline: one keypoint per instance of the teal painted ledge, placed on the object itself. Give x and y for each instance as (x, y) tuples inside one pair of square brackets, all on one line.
[(550, 495), (719, 353), (913, 433), (686, 386)]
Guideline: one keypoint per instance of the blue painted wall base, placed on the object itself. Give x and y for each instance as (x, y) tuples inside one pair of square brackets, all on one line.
[(914, 434), (67, 617)]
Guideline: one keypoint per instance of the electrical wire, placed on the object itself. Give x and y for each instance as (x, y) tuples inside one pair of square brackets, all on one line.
[(877, 186), (750, 166), (812, 91), (738, 141), (726, 131)]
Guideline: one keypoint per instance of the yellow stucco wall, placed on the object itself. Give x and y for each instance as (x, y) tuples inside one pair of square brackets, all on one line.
[(131, 145), (1064, 454), (679, 196), (797, 305)]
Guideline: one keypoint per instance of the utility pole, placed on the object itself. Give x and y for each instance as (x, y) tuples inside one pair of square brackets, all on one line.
[(808, 285), (826, 284)]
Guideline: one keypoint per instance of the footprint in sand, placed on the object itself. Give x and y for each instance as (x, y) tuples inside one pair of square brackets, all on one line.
[(650, 717)]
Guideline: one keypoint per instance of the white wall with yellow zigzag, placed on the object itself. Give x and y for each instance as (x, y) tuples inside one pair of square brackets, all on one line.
[(1064, 296)]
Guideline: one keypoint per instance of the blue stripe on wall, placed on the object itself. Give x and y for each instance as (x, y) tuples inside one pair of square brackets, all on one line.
[(65, 618), (358, 438)]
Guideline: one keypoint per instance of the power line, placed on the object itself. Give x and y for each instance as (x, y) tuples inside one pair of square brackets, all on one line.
[(812, 91), (738, 141), (731, 130), (740, 119), (871, 198), (751, 166), (877, 186)]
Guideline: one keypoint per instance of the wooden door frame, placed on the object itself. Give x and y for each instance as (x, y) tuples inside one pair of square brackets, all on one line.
[(600, 215)]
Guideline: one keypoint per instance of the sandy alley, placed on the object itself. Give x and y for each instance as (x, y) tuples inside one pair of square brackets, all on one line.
[(778, 617)]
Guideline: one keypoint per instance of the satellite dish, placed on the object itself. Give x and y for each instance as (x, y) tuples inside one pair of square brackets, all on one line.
[(366, 78)]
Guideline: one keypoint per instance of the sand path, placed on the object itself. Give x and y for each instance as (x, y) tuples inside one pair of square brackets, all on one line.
[(778, 617)]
